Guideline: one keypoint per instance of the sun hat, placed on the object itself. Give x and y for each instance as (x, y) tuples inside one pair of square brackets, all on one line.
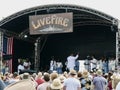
[(56, 84), (73, 72), (62, 78), (85, 73), (99, 72), (22, 85)]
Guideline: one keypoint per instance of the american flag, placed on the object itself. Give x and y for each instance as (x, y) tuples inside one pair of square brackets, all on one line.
[(8, 50)]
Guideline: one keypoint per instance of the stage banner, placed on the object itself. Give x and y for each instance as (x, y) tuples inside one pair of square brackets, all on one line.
[(8, 52), (51, 23)]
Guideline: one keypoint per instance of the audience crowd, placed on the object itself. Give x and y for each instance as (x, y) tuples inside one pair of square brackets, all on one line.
[(72, 80), (97, 75)]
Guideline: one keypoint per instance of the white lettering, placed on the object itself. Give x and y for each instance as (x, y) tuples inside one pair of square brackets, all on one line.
[(50, 20), (36, 26), (47, 20)]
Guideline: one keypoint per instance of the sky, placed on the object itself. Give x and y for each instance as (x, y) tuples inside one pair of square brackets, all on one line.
[(109, 7)]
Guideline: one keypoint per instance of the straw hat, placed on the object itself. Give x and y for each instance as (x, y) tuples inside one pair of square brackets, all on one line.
[(22, 85), (99, 72), (85, 73), (73, 72), (62, 78), (56, 84)]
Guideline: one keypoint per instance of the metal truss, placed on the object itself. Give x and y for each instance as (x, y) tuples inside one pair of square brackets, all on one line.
[(118, 42), (9, 33), (66, 8), (17, 35)]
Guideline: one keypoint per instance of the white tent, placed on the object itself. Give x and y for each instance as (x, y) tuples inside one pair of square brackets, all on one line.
[(110, 7)]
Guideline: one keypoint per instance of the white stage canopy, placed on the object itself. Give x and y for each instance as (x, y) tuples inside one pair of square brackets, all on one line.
[(109, 7)]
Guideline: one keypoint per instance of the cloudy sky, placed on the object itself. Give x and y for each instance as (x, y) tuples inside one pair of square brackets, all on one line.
[(110, 7)]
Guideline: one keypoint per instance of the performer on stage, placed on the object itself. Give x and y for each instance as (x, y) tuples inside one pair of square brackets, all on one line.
[(20, 67), (27, 64), (52, 64), (77, 63), (94, 63), (87, 63), (71, 61), (59, 66)]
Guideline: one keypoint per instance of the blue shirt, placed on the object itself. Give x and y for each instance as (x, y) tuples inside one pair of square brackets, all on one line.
[(2, 85), (100, 83)]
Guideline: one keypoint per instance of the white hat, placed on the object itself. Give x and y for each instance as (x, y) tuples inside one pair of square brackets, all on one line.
[(56, 84), (99, 72)]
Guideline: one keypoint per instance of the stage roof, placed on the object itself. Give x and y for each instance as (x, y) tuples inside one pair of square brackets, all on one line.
[(17, 24), (9, 7)]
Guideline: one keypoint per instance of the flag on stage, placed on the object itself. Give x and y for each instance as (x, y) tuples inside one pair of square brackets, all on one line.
[(8, 51)]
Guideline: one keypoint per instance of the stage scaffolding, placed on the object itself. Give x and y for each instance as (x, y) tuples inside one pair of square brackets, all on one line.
[(1, 50), (118, 42), (37, 54), (92, 17)]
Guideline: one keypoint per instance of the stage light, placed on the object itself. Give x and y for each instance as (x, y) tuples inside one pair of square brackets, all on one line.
[(25, 36)]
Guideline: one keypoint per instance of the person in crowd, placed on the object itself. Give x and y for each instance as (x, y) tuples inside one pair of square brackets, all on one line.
[(115, 79), (55, 85), (65, 74), (27, 83), (59, 66), (71, 61), (2, 84), (99, 82), (13, 78), (72, 83), (110, 81), (92, 74), (86, 81), (94, 63), (34, 76), (62, 78), (87, 63), (79, 76), (53, 76), (46, 83), (39, 78), (118, 86), (6, 78)]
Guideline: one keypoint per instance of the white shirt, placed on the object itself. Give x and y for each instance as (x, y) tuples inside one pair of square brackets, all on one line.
[(27, 65), (71, 61), (118, 86), (51, 64), (59, 64), (43, 86), (71, 83), (113, 64), (20, 67), (94, 63), (110, 65)]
